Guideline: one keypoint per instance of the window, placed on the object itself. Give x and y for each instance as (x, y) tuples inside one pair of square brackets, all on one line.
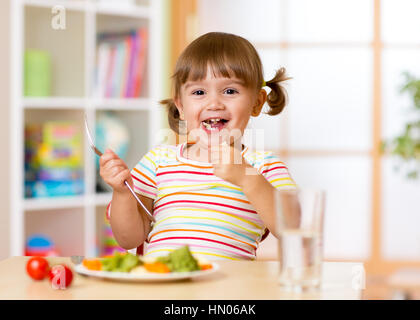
[(345, 58)]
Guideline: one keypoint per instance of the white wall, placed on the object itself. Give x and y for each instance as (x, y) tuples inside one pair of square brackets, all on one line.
[(4, 128)]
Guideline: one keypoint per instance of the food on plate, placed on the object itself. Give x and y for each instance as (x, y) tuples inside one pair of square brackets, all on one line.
[(157, 266), (92, 264), (206, 266), (179, 260), (37, 268), (120, 262), (60, 276)]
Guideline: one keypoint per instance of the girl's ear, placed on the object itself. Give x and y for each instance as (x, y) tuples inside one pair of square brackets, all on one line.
[(180, 108), (261, 99)]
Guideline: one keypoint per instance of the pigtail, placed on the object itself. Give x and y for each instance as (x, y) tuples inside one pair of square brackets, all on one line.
[(277, 98), (173, 114)]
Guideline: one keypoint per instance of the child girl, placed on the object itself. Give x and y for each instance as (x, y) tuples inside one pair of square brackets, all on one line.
[(221, 209)]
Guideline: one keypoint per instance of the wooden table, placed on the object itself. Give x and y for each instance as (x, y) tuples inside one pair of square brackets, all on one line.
[(237, 280)]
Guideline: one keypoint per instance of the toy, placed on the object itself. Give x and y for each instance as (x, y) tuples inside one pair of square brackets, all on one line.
[(37, 73), (111, 133), (40, 245), (53, 160), (110, 245), (61, 146)]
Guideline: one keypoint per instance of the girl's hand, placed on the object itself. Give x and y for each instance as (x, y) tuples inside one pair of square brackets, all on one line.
[(114, 171), (230, 166)]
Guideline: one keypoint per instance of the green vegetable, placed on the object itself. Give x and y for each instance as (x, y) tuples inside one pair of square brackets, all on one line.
[(180, 260), (128, 262), (120, 262)]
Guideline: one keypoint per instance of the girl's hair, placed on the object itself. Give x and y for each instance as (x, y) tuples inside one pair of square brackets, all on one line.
[(228, 55)]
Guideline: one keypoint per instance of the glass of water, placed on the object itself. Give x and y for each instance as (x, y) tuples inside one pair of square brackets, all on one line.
[(299, 223)]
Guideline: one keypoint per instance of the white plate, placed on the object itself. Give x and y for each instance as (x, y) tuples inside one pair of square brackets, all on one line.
[(144, 277)]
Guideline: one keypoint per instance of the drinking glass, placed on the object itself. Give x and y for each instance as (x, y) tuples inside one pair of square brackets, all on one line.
[(299, 226)]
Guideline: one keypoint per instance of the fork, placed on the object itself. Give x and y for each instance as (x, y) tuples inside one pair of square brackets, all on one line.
[(99, 153)]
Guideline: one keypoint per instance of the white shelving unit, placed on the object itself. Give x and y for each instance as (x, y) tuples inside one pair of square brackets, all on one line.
[(73, 51)]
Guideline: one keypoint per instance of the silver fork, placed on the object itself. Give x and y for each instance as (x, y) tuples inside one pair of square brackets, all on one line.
[(99, 153)]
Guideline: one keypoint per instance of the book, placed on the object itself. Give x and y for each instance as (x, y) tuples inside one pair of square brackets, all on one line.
[(121, 64), (126, 67), (110, 72), (142, 51), (131, 73), (119, 69), (103, 57)]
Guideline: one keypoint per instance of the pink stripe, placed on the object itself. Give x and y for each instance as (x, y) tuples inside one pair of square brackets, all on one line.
[(276, 175), (142, 190), (199, 246), (137, 179), (271, 169), (190, 180), (166, 204), (200, 207), (184, 171)]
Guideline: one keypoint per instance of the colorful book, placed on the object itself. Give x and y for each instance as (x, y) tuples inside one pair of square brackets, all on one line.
[(131, 73), (110, 72), (102, 69), (126, 67), (142, 52), (121, 64)]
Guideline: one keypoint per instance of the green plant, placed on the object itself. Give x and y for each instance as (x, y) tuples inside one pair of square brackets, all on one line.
[(407, 145)]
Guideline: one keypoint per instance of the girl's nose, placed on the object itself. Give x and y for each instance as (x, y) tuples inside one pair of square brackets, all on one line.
[(215, 103)]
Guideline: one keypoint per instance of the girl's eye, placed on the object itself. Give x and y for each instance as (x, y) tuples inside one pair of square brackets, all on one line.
[(198, 92), (231, 91)]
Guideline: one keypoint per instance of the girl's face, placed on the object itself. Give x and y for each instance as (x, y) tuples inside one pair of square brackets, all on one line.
[(218, 109)]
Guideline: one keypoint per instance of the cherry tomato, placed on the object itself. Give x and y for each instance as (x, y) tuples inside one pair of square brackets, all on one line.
[(37, 268), (60, 276)]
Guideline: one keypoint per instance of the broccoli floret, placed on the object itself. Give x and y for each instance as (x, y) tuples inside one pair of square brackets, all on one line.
[(181, 260), (128, 262), (120, 262), (111, 263)]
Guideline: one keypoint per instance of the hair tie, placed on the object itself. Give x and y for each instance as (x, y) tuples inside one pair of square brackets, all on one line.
[(263, 84)]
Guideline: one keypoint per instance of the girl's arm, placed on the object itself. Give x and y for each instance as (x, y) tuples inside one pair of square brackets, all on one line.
[(129, 222), (258, 190), (260, 193)]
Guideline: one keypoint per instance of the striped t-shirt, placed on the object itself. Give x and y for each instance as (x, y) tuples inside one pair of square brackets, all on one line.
[(193, 206)]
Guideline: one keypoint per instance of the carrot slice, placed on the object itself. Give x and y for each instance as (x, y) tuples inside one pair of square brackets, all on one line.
[(92, 264), (206, 266), (158, 267)]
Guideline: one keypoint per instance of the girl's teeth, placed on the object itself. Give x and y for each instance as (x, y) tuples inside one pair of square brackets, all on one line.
[(212, 125), (207, 125)]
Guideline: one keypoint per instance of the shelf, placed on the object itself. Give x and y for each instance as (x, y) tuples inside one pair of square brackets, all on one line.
[(102, 199), (66, 49), (129, 104), (54, 203), (99, 8), (54, 103), (75, 222), (121, 10), (69, 5)]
